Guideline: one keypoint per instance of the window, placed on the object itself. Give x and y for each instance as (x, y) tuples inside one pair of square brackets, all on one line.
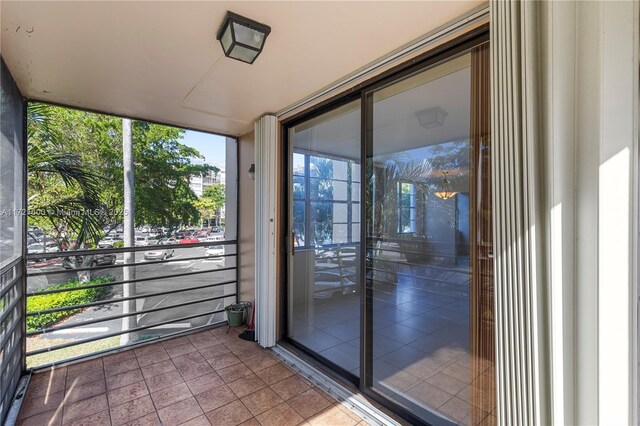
[(406, 208), (326, 200)]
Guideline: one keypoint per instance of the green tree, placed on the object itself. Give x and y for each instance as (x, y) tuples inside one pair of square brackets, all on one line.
[(63, 193), (87, 148), (213, 197)]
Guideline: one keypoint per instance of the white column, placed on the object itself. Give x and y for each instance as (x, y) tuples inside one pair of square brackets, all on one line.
[(266, 151), (584, 103)]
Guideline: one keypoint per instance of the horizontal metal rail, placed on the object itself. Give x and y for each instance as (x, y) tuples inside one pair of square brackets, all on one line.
[(57, 254), (131, 281), (127, 347), (369, 268), (378, 280), (10, 266), (427, 253), (10, 332), (119, 333), (112, 317), (124, 265), (11, 284), (7, 311), (124, 299), (420, 265)]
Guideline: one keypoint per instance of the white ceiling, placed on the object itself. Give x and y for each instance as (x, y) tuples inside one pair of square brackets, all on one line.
[(160, 60), (396, 129)]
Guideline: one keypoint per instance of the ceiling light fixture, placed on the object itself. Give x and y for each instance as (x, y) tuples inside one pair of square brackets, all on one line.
[(431, 117), (446, 192), (242, 38)]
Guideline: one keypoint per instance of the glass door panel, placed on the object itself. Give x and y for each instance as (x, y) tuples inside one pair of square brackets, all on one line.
[(324, 283), (431, 316)]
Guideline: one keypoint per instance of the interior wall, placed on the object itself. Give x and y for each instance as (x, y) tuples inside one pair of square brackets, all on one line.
[(246, 219)]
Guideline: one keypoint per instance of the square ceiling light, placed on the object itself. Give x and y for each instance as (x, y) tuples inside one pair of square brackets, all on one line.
[(242, 38), (431, 117)]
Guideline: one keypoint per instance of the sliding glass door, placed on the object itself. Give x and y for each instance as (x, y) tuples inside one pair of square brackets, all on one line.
[(408, 314), (424, 302), (324, 285)]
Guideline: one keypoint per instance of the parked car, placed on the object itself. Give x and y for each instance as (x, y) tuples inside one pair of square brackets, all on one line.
[(142, 241), (189, 240), (169, 241), (214, 251), (50, 247), (109, 242), (158, 254), (96, 260)]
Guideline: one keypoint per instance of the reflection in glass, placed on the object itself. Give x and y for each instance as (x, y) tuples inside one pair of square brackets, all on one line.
[(428, 353), (324, 308)]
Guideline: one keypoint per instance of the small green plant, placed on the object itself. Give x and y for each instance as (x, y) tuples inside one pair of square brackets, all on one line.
[(118, 244), (43, 302)]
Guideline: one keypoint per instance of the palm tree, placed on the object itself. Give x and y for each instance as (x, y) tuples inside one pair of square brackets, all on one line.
[(73, 213)]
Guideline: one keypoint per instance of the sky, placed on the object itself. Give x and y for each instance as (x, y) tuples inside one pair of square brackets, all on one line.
[(212, 147)]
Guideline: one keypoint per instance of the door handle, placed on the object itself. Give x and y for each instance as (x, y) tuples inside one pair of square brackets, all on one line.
[(293, 245)]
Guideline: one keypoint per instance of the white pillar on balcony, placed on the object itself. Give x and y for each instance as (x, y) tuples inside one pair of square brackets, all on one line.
[(266, 149)]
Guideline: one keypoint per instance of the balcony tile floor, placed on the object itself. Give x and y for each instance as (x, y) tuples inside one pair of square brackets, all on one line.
[(208, 378)]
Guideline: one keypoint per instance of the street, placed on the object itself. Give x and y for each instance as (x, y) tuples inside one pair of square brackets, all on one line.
[(149, 287)]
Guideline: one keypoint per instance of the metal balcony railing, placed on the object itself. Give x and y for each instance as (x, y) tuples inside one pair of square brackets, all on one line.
[(85, 302)]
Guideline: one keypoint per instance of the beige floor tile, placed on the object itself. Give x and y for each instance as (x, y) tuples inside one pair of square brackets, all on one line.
[(124, 379), (212, 352), (235, 372), (153, 358), (158, 368), (171, 395), (148, 420), (121, 367), (36, 405), (132, 410), (260, 362), (92, 364), (246, 385), (195, 370), (198, 421), (309, 403), (331, 416), (84, 408), (101, 418), (180, 412), (274, 374), (261, 401), (75, 378), (216, 397), (177, 351), (231, 414), (282, 415), (48, 418), (204, 383), (223, 361), (127, 393), (164, 380), (290, 387), (79, 392)]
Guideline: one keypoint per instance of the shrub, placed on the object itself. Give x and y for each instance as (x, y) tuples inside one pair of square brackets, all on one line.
[(58, 300), (118, 244)]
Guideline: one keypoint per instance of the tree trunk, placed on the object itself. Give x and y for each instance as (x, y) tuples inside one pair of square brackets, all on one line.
[(128, 272)]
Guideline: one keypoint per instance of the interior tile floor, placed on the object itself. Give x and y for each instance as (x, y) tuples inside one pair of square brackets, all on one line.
[(208, 378), (421, 334)]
